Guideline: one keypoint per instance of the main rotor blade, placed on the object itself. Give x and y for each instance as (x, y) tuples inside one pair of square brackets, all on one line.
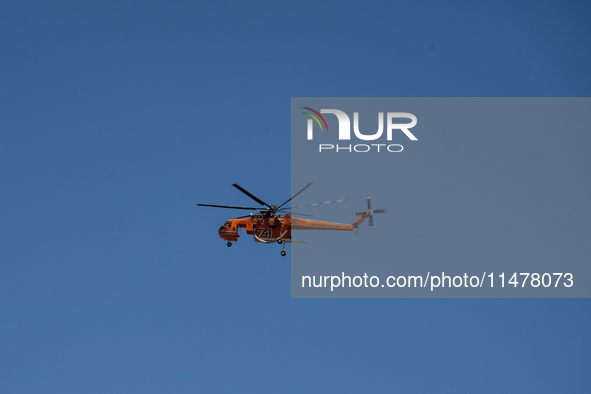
[(294, 196), (237, 186), (298, 214), (319, 203), (226, 206)]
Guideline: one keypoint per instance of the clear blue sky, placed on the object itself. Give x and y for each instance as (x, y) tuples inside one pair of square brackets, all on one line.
[(117, 117)]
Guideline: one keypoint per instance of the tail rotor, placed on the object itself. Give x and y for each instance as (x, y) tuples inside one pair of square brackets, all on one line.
[(371, 225)]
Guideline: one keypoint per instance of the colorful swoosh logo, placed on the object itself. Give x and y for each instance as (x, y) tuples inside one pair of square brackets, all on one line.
[(315, 118)]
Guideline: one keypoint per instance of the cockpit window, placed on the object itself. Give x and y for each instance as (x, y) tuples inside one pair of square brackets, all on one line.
[(228, 224)]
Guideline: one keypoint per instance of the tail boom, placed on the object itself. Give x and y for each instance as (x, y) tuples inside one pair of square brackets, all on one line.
[(307, 224)]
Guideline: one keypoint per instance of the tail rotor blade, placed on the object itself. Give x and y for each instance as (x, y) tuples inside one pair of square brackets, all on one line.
[(368, 203), (385, 210), (370, 222), (358, 213)]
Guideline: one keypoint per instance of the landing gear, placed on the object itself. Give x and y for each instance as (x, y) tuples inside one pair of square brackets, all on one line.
[(229, 244), (279, 241), (283, 253)]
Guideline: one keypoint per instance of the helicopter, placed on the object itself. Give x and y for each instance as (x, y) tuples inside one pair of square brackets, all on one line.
[(274, 223)]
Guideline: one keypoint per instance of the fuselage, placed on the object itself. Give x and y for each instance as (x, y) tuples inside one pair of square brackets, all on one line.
[(277, 228)]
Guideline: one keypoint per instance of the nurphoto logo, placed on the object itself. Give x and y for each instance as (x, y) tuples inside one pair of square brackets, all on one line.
[(345, 130)]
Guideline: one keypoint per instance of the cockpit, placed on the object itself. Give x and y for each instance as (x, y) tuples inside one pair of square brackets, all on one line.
[(226, 225)]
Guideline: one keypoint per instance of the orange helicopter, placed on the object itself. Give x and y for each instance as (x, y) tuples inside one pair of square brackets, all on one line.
[(273, 224)]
